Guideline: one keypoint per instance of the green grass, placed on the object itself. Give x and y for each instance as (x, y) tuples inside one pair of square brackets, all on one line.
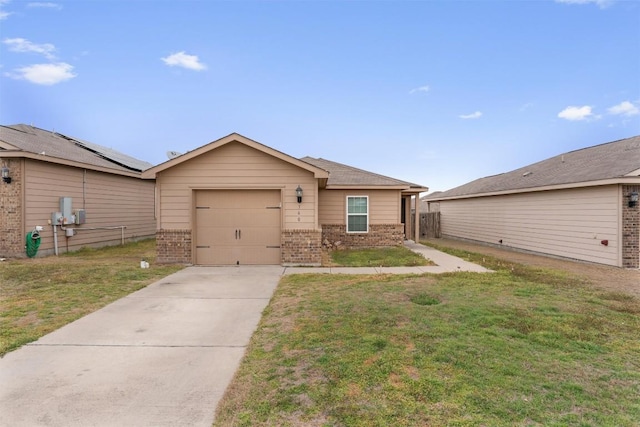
[(395, 256), (519, 347), (42, 294)]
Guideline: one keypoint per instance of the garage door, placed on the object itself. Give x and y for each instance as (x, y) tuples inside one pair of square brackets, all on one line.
[(238, 227)]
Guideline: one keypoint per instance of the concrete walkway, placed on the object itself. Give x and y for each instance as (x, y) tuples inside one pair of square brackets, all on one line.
[(162, 356)]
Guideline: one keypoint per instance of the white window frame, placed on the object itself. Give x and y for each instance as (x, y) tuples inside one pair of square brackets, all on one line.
[(366, 215)]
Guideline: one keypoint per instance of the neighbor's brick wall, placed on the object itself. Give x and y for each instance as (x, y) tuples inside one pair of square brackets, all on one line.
[(379, 235), (301, 247), (630, 229), (173, 246), (11, 221)]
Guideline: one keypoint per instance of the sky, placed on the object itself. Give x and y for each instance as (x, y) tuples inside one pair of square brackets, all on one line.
[(438, 93)]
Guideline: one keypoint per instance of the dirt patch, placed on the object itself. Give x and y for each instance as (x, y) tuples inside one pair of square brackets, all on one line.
[(610, 279)]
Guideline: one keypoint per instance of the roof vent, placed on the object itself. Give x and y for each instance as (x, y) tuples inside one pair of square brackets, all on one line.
[(527, 174)]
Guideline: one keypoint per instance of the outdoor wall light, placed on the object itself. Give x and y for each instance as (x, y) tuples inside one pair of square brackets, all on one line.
[(5, 175), (633, 199), (299, 194)]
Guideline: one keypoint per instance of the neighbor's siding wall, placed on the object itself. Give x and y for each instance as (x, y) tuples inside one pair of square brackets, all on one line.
[(568, 223), (109, 200)]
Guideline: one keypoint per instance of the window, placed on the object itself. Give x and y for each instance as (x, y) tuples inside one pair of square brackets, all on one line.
[(357, 214)]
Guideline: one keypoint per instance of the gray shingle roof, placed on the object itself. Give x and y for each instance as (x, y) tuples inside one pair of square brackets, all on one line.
[(34, 140), (612, 160), (340, 174)]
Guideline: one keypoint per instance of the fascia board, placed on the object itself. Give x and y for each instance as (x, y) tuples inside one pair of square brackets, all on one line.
[(234, 137), (612, 181), (65, 162)]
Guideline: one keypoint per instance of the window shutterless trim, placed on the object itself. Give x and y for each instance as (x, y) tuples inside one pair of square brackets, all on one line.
[(357, 215)]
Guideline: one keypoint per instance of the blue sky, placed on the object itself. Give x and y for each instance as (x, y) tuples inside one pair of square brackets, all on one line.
[(434, 92)]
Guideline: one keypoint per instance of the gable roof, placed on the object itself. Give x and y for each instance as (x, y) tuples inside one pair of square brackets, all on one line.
[(344, 176), (609, 163), (234, 137), (31, 142)]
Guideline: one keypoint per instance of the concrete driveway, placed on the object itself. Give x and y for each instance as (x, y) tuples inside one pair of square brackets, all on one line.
[(161, 356)]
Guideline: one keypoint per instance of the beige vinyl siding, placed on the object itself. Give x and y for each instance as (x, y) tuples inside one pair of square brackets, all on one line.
[(235, 165), (384, 206), (109, 200), (567, 223)]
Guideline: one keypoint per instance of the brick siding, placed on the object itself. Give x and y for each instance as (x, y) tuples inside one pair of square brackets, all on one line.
[(630, 229), (173, 246), (301, 247), (11, 221), (379, 235)]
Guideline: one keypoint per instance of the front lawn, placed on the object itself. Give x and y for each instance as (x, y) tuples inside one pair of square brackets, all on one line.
[(393, 256), (39, 295), (518, 347)]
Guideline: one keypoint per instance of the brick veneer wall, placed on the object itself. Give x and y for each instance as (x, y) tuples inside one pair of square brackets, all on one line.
[(173, 246), (301, 247), (379, 235), (630, 229), (11, 221)]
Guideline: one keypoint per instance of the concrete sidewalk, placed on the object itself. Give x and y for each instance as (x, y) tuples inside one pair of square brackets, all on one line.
[(445, 264)]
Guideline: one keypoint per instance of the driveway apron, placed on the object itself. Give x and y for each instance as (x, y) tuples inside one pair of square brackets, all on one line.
[(161, 356)]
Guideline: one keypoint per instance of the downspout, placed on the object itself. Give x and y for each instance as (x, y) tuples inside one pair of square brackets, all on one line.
[(55, 239)]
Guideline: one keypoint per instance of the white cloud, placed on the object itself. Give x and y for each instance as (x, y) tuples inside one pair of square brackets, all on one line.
[(23, 45), (625, 108), (3, 14), (576, 113), (181, 59), (600, 3), (424, 89), (46, 5), (475, 115), (44, 74)]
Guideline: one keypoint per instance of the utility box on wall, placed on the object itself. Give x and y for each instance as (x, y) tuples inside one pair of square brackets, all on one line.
[(81, 216), (56, 218), (65, 207)]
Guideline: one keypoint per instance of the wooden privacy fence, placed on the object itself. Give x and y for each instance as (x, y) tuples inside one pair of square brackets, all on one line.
[(430, 224)]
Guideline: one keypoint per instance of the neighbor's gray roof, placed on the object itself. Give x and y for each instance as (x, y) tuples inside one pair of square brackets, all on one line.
[(612, 160), (51, 144), (340, 175)]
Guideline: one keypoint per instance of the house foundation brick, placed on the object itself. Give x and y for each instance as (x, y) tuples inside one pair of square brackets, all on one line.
[(12, 238), (301, 247), (630, 229), (173, 246), (379, 235)]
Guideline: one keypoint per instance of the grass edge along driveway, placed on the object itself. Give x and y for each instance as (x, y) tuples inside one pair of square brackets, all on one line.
[(523, 346), (40, 295)]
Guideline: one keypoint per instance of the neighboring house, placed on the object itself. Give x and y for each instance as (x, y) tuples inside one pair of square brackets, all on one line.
[(577, 205), (236, 201), (98, 191)]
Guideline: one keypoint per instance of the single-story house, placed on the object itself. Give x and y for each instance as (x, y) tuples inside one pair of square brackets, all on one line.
[(580, 205), (236, 201), (78, 193)]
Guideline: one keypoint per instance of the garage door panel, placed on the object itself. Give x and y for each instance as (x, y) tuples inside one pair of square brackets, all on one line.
[(239, 226)]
